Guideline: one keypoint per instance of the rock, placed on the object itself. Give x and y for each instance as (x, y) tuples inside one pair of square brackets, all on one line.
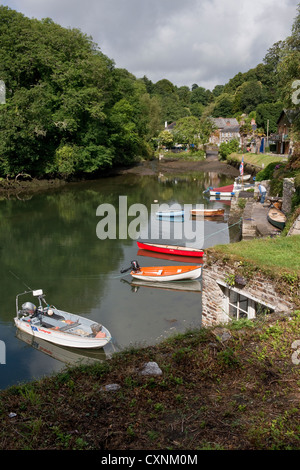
[(151, 368), (112, 387), (222, 334)]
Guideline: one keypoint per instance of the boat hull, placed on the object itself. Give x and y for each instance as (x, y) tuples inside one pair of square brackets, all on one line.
[(170, 214), (171, 249), (62, 339), (207, 212), (191, 285), (229, 190), (167, 273)]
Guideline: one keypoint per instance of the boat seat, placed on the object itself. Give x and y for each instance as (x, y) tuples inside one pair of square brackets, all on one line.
[(69, 325), (46, 325), (54, 315)]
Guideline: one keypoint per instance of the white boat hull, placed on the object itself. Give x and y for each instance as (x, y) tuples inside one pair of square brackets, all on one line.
[(170, 277), (63, 338)]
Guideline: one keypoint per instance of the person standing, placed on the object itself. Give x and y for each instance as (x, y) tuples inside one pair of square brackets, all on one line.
[(263, 192)]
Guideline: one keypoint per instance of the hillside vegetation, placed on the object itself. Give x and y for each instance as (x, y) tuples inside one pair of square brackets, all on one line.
[(70, 111)]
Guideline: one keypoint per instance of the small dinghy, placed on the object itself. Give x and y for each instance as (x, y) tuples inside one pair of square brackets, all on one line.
[(171, 249), (277, 218), (170, 214), (207, 212), (229, 190), (57, 326), (163, 273), (222, 191)]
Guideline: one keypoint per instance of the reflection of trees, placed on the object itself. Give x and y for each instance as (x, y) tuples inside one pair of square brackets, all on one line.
[(50, 242)]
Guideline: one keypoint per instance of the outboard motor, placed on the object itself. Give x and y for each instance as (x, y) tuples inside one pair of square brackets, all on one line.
[(134, 267), (29, 308)]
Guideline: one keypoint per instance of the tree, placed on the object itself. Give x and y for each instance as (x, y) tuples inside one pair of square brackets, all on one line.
[(248, 96), (187, 131), (68, 109), (200, 95), (268, 112), (165, 138), (223, 106)]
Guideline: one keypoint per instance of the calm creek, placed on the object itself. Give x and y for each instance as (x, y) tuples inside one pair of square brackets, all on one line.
[(48, 241)]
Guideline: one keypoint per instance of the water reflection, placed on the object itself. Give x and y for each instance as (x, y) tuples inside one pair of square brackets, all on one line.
[(68, 356), (50, 242)]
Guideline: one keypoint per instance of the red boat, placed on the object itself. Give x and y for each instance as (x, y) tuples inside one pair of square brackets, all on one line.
[(171, 249)]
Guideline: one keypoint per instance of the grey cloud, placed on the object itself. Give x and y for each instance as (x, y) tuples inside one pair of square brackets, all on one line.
[(197, 41)]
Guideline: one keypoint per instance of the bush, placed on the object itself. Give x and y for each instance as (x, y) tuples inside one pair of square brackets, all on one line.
[(266, 173), (226, 148)]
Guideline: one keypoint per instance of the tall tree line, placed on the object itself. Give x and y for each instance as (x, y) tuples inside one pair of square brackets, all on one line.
[(70, 111)]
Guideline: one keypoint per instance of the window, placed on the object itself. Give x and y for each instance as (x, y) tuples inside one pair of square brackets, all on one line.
[(239, 304)]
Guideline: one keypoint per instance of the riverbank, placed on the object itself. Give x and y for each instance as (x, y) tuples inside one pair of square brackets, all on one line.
[(219, 388), (23, 186), (177, 165), (20, 187)]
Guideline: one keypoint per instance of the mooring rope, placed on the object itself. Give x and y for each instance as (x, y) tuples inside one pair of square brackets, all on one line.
[(222, 230)]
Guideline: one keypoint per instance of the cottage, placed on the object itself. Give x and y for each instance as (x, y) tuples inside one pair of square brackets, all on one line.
[(226, 129), (282, 137)]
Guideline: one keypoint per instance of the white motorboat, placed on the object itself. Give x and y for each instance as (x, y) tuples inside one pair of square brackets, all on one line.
[(57, 326)]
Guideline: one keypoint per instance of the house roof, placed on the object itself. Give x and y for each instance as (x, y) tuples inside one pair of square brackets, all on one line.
[(221, 122), (170, 126), (289, 113), (231, 129)]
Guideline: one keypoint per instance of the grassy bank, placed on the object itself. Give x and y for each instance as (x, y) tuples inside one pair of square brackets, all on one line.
[(260, 160), (237, 390), (279, 255)]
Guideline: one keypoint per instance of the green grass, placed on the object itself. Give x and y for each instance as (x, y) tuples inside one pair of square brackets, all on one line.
[(257, 159), (282, 253)]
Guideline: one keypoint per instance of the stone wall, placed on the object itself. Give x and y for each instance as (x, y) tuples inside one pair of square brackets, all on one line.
[(288, 191), (259, 290), (295, 228)]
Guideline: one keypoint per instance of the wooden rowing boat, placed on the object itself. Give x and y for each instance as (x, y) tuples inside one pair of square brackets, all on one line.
[(169, 257), (171, 249), (208, 212), (167, 273), (277, 218)]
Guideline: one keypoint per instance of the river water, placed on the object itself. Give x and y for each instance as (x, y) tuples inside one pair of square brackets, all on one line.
[(49, 241)]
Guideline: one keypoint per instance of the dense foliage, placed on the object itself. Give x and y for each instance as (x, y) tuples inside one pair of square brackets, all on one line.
[(70, 111)]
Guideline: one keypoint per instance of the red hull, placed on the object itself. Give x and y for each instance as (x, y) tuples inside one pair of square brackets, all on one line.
[(171, 250)]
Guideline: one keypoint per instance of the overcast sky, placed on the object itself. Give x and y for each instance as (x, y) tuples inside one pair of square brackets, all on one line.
[(185, 41)]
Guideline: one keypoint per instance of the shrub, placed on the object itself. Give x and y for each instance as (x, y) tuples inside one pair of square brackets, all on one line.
[(226, 148)]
